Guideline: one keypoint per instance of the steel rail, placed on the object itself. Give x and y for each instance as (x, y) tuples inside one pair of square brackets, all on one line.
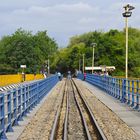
[(101, 135), (82, 115), (57, 116), (65, 132)]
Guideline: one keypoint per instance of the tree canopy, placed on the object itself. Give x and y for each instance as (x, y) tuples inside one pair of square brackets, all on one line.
[(24, 48), (110, 51), (33, 50)]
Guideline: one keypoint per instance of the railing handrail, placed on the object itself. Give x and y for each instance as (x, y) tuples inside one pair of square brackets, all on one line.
[(16, 103), (125, 90)]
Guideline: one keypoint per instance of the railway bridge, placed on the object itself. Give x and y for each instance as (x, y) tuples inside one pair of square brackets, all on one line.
[(97, 107)]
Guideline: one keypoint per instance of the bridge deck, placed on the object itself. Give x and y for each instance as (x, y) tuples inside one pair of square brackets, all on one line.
[(126, 113), (26, 120)]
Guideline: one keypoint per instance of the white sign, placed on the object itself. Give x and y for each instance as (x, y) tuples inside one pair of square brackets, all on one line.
[(103, 68), (23, 66)]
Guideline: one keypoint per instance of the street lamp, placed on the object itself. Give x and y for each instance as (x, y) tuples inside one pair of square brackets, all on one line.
[(48, 66), (127, 14), (83, 63), (93, 45), (23, 72), (79, 63)]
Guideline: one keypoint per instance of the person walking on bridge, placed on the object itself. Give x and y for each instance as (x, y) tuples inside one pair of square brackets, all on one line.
[(84, 76), (59, 75)]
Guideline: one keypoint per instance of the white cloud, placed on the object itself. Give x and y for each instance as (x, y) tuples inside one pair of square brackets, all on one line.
[(63, 20)]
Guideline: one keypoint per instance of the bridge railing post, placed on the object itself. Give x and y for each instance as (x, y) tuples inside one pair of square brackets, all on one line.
[(30, 96), (19, 98), (128, 102), (126, 90), (23, 101), (14, 110), (123, 97), (109, 85), (137, 95), (114, 87), (2, 117), (117, 88), (36, 94), (133, 98), (26, 90), (9, 112)]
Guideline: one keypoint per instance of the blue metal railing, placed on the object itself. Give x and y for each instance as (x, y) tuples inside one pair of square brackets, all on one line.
[(16, 103), (126, 90)]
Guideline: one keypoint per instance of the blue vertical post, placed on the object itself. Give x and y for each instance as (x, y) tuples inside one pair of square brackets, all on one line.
[(38, 94), (15, 122), (106, 84), (9, 113), (109, 85), (115, 87), (133, 98), (123, 99), (119, 88), (137, 95), (126, 90), (23, 101), (2, 117), (128, 93), (108, 88), (19, 91), (27, 98), (36, 91)]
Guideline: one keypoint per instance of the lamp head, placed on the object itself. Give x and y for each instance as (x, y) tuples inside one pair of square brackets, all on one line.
[(127, 14), (128, 7), (93, 44)]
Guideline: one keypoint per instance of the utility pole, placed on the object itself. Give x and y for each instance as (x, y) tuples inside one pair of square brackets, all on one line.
[(79, 64), (127, 14), (48, 66), (83, 63), (93, 45)]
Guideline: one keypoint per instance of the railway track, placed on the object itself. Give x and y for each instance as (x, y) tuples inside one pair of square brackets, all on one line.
[(74, 119)]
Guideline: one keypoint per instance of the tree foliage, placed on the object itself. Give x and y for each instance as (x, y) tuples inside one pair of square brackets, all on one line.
[(110, 51), (24, 48), (33, 50)]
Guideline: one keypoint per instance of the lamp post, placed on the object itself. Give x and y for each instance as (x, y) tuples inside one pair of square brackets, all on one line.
[(79, 64), (48, 66), (93, 45), (23, 72), (127, 14), (83, 63)]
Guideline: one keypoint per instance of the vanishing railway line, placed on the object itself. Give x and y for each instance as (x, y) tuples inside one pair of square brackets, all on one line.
[(74, 119), (67, 113)]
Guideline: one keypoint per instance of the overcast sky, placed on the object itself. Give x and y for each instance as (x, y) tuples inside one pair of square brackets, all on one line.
[(65, 18)]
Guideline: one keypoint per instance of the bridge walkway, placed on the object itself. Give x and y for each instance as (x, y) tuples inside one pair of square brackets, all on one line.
[(126, 113), (130, 116)]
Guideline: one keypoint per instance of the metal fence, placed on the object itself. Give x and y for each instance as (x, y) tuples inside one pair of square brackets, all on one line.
[(125, 90), (16, 103)]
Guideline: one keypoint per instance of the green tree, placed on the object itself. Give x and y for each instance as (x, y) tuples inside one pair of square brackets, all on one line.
[(23, 47)]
